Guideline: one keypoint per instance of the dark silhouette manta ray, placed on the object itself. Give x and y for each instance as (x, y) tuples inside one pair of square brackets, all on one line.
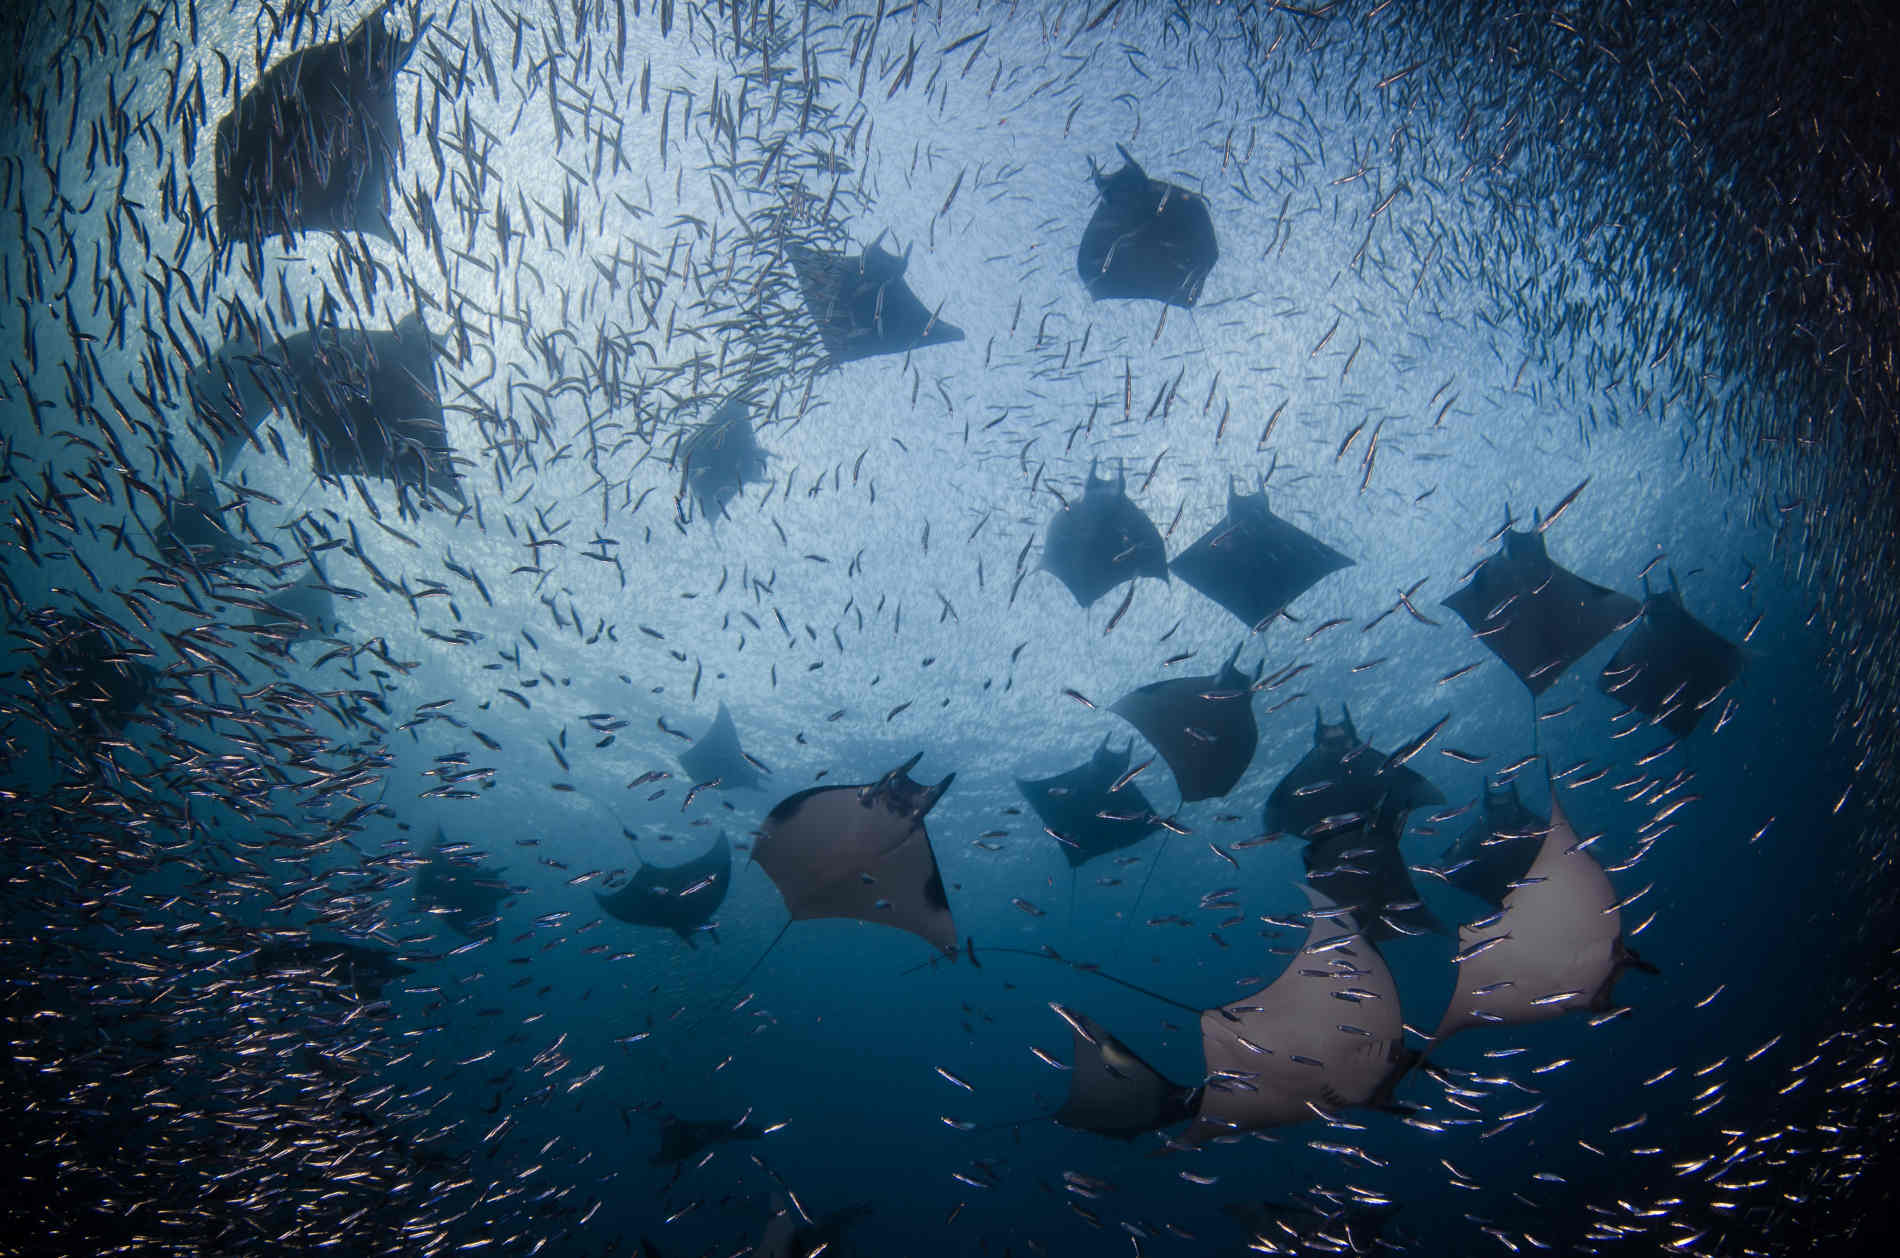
[(1101, 541), (1254, 563), (1537, 617), (193, 532), (1495, 852), (862, 305), (1362, 869), (1112, 1091), (791, 1234), (682, 1139), (1147, 239), (367, 402), (717, 757), (1343, 783), (1349, 802), (682, 897), (1084, 813), (1672, 666), (458, 886), (312, 145), (363, 970), (98, 684), (304, 609), (1202, 726), (720, 458), (1556, 945), (862, 852)]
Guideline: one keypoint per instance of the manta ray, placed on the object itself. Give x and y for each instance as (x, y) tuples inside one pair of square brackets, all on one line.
[(312, 144), (863, 307), (1535, 616), (1254, 563), (1097, 543), (1148, 240), (1202, 726)]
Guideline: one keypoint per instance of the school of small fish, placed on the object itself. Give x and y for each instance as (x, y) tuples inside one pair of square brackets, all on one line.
[(500, 498)]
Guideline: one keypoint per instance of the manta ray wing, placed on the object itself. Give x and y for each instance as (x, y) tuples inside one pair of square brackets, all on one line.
[(1557, 945), (1112, 1091)]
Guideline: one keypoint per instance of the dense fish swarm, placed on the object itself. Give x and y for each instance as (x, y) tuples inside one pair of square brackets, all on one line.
[(501, 498)]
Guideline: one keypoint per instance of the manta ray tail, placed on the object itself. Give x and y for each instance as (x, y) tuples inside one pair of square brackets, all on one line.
[(1011, 1123), (743, 978), (1083, 967), (928, 963), (1146, 878)]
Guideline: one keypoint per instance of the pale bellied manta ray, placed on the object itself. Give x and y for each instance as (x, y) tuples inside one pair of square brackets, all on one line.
[(863, 852), (1325, 1035), (1556, 945)]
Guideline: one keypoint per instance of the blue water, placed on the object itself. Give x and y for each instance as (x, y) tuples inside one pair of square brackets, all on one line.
[(1404, 258)]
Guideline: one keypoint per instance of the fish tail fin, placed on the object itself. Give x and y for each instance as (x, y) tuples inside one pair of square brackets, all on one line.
[(407, 47)]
